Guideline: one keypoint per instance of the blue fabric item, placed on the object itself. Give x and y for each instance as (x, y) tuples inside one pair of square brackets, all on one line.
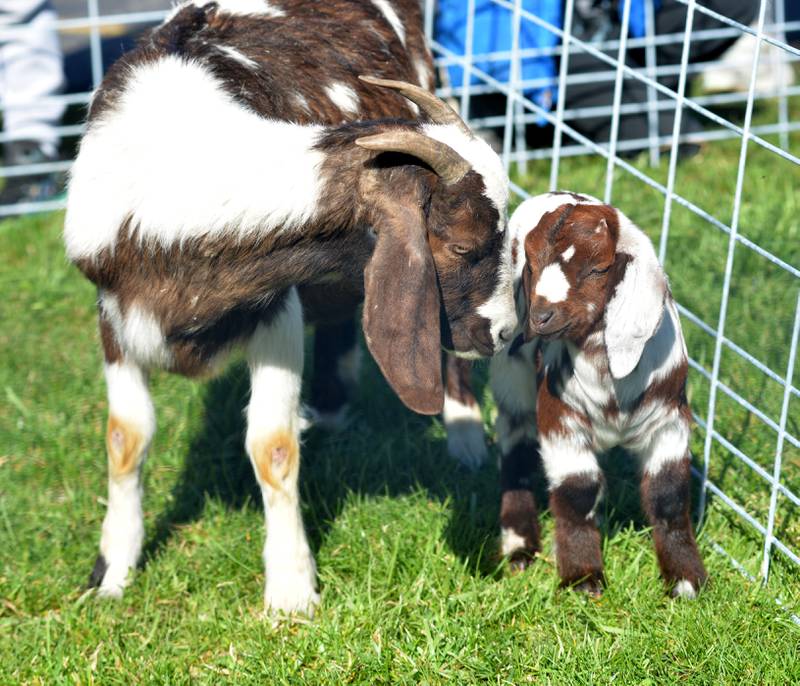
[(637, 23), (493, 26)]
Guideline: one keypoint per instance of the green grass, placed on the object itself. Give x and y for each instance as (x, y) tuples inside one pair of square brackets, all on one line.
[(412, 591)]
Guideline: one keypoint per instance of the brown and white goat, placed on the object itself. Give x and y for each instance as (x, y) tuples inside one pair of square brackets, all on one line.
[(600, 362), (219, 179)]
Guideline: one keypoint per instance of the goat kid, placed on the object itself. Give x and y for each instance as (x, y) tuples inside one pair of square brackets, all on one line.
[(600, 362), (216, 184)]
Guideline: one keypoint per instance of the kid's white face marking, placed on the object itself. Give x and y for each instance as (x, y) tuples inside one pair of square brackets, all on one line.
[(552, 285), (144, 160), (568, 254), (344, 97), (391, 16)]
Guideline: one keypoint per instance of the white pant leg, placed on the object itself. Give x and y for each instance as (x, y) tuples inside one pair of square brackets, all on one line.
[(31, 68)]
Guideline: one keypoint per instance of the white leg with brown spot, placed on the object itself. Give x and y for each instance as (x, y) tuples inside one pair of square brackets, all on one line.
[(131, 424), (275, 356)]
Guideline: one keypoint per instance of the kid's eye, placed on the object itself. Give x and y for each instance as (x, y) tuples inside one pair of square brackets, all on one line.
[(460, 249), (600, 270)]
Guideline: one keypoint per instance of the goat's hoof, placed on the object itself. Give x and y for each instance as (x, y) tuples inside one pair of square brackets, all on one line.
[(684, 589), (109, 580), (333, 420), (591, 585), (291, 601), (520, 560), (293, 592), (466, 442), (98, 572)]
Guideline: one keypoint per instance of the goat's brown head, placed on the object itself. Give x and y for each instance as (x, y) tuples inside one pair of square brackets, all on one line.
[(440, 272), (588, 268)]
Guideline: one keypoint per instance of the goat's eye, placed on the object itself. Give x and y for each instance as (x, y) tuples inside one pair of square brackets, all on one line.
[(600, 270), (459, 249)]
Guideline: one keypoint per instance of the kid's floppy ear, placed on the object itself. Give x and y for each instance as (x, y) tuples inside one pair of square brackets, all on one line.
[(401, 310), (637, 305)]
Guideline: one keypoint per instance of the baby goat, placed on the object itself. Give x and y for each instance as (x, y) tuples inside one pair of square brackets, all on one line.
[(600, 362), (219, 181)]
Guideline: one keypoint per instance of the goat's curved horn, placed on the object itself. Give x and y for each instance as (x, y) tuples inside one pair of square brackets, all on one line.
[(445, 161), (438, 111)]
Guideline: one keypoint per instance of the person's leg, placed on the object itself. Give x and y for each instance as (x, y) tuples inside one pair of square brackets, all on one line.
[(599, 92), (585, 91), (671, 18), (31, 70)]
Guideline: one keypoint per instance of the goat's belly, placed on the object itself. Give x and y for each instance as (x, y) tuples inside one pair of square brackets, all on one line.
[(167, 329), (331, 303)]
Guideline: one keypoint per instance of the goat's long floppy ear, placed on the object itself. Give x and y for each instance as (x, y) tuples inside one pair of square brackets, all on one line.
[(401, 310), (637, 305)]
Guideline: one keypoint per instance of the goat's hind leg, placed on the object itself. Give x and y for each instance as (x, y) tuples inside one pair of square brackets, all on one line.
[(131, 424), (337, 362), (665, 499), (275, 356)]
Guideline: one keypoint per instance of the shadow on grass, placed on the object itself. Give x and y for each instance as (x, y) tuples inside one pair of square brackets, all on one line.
[(386, 451)]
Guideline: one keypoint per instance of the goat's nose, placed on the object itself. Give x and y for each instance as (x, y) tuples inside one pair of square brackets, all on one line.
[(506, 334), (541, 317)]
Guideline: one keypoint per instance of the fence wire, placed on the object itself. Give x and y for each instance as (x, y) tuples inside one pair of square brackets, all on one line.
[(522, 112)]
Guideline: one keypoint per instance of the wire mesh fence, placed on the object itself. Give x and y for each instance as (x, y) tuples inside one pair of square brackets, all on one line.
[(626, 117)]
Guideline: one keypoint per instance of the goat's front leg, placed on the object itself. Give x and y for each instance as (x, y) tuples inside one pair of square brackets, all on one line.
[(577, 540), (513, 381), (131, 424), (576, 486), (466, 441), (275, 356), (665, 499)]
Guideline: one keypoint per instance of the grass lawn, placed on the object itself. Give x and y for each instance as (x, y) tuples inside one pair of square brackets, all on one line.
[(412, 591)]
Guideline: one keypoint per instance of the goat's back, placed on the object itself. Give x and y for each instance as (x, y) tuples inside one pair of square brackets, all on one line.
[(291, 60)]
